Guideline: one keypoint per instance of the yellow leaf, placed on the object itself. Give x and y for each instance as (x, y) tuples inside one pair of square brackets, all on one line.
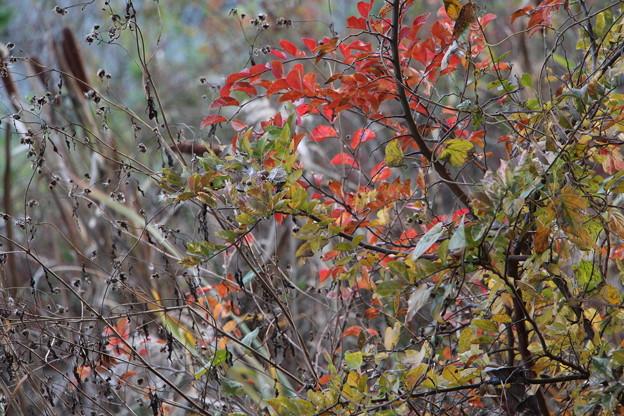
[(465, 340), (485, 324), (383, 218), (611, 295), (501, 318), (451, 374), (456, 151), (453, 8), (570, 209), (394, 154), (391, 337)]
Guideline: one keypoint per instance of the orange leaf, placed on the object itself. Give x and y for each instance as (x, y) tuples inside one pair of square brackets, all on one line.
[(352, 330), (325, 379), (453, 8), (336, 188)]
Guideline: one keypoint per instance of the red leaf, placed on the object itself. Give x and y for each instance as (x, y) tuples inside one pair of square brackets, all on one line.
[(277, 69), (297, 139), (280, 84), (487, 19), (238, 125), (310, 43), (225, 90), (321, 133), (224, 102), (356, 23), (237, 76), (290, 96), (364, 8), (324, 274), (519, 13), (278, 54), (309, 82), (352, 330), (295, 78), (343, 159), (440, 30), (212, 119), (245, 87), (361, 136), (302, 110), (380, 172), (279, 217), (290, 48), (235, 142)]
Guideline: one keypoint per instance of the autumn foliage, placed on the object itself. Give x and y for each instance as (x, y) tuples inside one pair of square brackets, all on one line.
[(427, 224), (466, 213)]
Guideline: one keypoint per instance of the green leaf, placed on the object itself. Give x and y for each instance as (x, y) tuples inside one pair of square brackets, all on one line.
[(588, 275), (389, 287), (427, 240), (394, 154), (477, 116), (344, 246), (526, 80), (456, 151), (221, 356), (203, 248), (354, 360), (602, 367), (485, 324)]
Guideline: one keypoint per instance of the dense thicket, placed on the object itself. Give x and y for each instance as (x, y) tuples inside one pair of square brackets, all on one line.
[(415, 214)]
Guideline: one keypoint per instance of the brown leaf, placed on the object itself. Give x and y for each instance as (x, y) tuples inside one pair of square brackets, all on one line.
[(540, 239), (467, 16)]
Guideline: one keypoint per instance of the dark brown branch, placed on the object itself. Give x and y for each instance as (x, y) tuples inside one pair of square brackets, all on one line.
[(407, 112)]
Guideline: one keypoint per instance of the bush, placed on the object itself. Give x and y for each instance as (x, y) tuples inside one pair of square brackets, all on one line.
[(403, 218)]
